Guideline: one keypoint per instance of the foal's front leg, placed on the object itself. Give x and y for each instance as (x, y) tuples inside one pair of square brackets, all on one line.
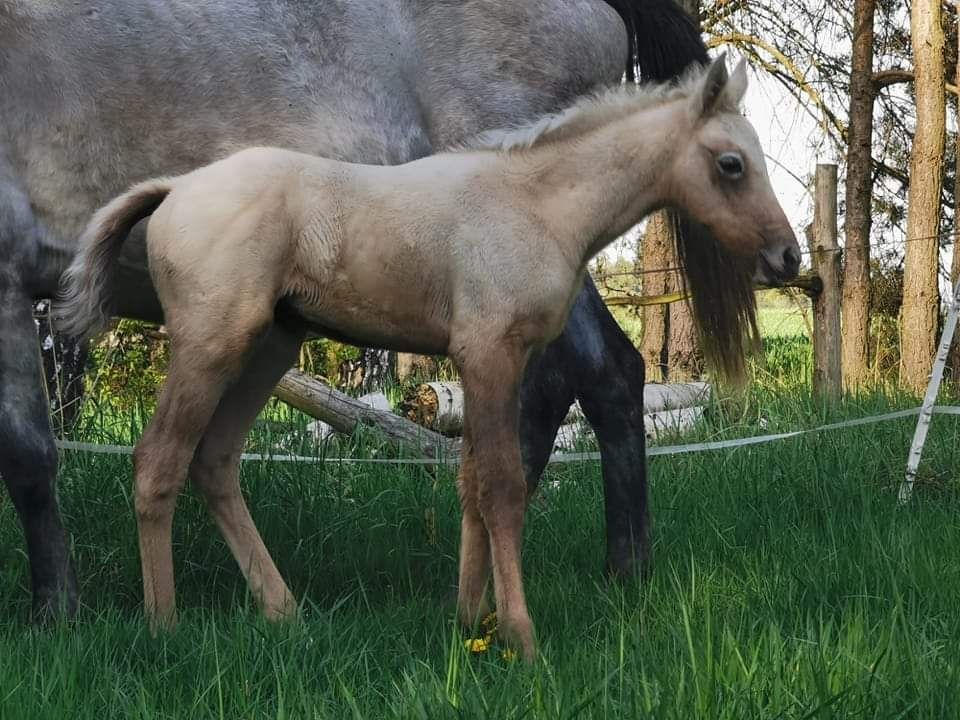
[(472, 604), (491, 380)]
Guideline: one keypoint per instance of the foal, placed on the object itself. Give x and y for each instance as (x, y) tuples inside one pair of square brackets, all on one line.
[(477, 254)]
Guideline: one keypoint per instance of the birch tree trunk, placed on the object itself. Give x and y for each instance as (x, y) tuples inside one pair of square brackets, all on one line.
[(855, 307), (921, 302)]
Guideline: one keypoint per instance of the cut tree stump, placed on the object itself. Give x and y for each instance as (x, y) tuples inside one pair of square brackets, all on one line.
[(343, 413), (437, 405)]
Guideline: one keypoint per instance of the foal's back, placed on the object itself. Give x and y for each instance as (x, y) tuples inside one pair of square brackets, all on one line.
[(369, 254)]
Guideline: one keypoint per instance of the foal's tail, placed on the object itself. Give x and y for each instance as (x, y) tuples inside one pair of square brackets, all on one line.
[(84, 304)]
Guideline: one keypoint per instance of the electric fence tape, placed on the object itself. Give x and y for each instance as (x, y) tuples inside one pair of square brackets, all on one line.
[(555, 458)]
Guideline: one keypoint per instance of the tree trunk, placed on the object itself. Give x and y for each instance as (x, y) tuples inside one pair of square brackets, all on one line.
[(684, 359), (855, 306), (669, 345), (377, 367), (657, 253), (954, 361), (921, 302)]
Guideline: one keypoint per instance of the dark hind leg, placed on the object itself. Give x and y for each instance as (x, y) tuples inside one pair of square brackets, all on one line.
[(594, 359), (28, 456), (545, 398)]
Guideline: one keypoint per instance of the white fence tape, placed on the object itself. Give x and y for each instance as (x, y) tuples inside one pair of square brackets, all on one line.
[(556, 457)]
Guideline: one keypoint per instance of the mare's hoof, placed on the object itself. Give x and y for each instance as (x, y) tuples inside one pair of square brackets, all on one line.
[(58, 603), (630, 562)]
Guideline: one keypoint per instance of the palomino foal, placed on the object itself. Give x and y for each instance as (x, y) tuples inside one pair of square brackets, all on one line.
[(477, 254)]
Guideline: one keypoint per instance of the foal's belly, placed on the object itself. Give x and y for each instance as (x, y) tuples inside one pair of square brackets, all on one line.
[(372, 323)]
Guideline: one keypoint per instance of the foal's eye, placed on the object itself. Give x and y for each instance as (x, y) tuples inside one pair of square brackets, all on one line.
[(731, 165)]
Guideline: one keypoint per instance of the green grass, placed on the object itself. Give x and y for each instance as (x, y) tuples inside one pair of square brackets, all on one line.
[(787, 583), (782, 315)]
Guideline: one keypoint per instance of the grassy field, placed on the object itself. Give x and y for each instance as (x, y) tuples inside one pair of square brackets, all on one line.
[(787, 583)]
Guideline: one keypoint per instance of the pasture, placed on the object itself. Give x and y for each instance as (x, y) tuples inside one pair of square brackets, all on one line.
[(786, 583)]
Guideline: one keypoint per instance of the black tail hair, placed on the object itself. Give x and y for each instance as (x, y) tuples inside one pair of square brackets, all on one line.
[(664, 39)]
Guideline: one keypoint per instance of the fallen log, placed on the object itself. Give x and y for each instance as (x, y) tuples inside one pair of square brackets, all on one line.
[(439, 405), (672, 396), (667, 423), (320, 431), (657, 425), (343, 413)]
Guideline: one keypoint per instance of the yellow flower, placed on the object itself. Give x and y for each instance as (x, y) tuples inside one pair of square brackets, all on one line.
[(508, 655), (477, 645)]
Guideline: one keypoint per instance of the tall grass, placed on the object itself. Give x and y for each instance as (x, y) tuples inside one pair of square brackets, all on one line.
[(787, 584)]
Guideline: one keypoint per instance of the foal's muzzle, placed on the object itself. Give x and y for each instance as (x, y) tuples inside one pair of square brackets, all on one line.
[(778, 262)]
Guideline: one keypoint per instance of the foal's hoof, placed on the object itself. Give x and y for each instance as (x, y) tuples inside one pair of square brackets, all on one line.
[(282, 611), (159, 624), (517, 635), (518, 640)]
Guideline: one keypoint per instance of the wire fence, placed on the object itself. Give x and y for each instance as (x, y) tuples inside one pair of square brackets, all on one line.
[(626, 298)]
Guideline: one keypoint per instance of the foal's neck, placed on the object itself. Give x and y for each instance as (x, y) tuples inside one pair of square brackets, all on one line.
[(592, 188)]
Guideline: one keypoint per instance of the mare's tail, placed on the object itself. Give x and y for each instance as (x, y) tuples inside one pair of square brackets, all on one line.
[(84, 304), (664, 40)]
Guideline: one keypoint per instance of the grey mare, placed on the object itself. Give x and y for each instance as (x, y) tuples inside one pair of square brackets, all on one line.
[(95, 96)]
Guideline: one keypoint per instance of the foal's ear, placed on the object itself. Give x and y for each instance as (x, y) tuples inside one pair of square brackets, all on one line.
[(714, 84), (736, 85)]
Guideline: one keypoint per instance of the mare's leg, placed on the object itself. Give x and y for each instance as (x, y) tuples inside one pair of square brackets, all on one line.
[(545, 398), (594, 359), (28, 455), (491, 380), (610, 377), (203, 362), (215, 468)]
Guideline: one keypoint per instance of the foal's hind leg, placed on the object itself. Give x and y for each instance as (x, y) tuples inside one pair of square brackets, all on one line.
[(215, 468), (200, 369), (28, 455)]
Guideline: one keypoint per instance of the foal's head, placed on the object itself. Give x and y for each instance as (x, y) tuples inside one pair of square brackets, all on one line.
[(719, 178)]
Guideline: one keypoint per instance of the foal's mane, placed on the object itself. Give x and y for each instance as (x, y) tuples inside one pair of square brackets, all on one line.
[(588, 113)]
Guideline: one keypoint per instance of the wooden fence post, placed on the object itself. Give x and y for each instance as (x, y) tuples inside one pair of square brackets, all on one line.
[(825, 257)]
